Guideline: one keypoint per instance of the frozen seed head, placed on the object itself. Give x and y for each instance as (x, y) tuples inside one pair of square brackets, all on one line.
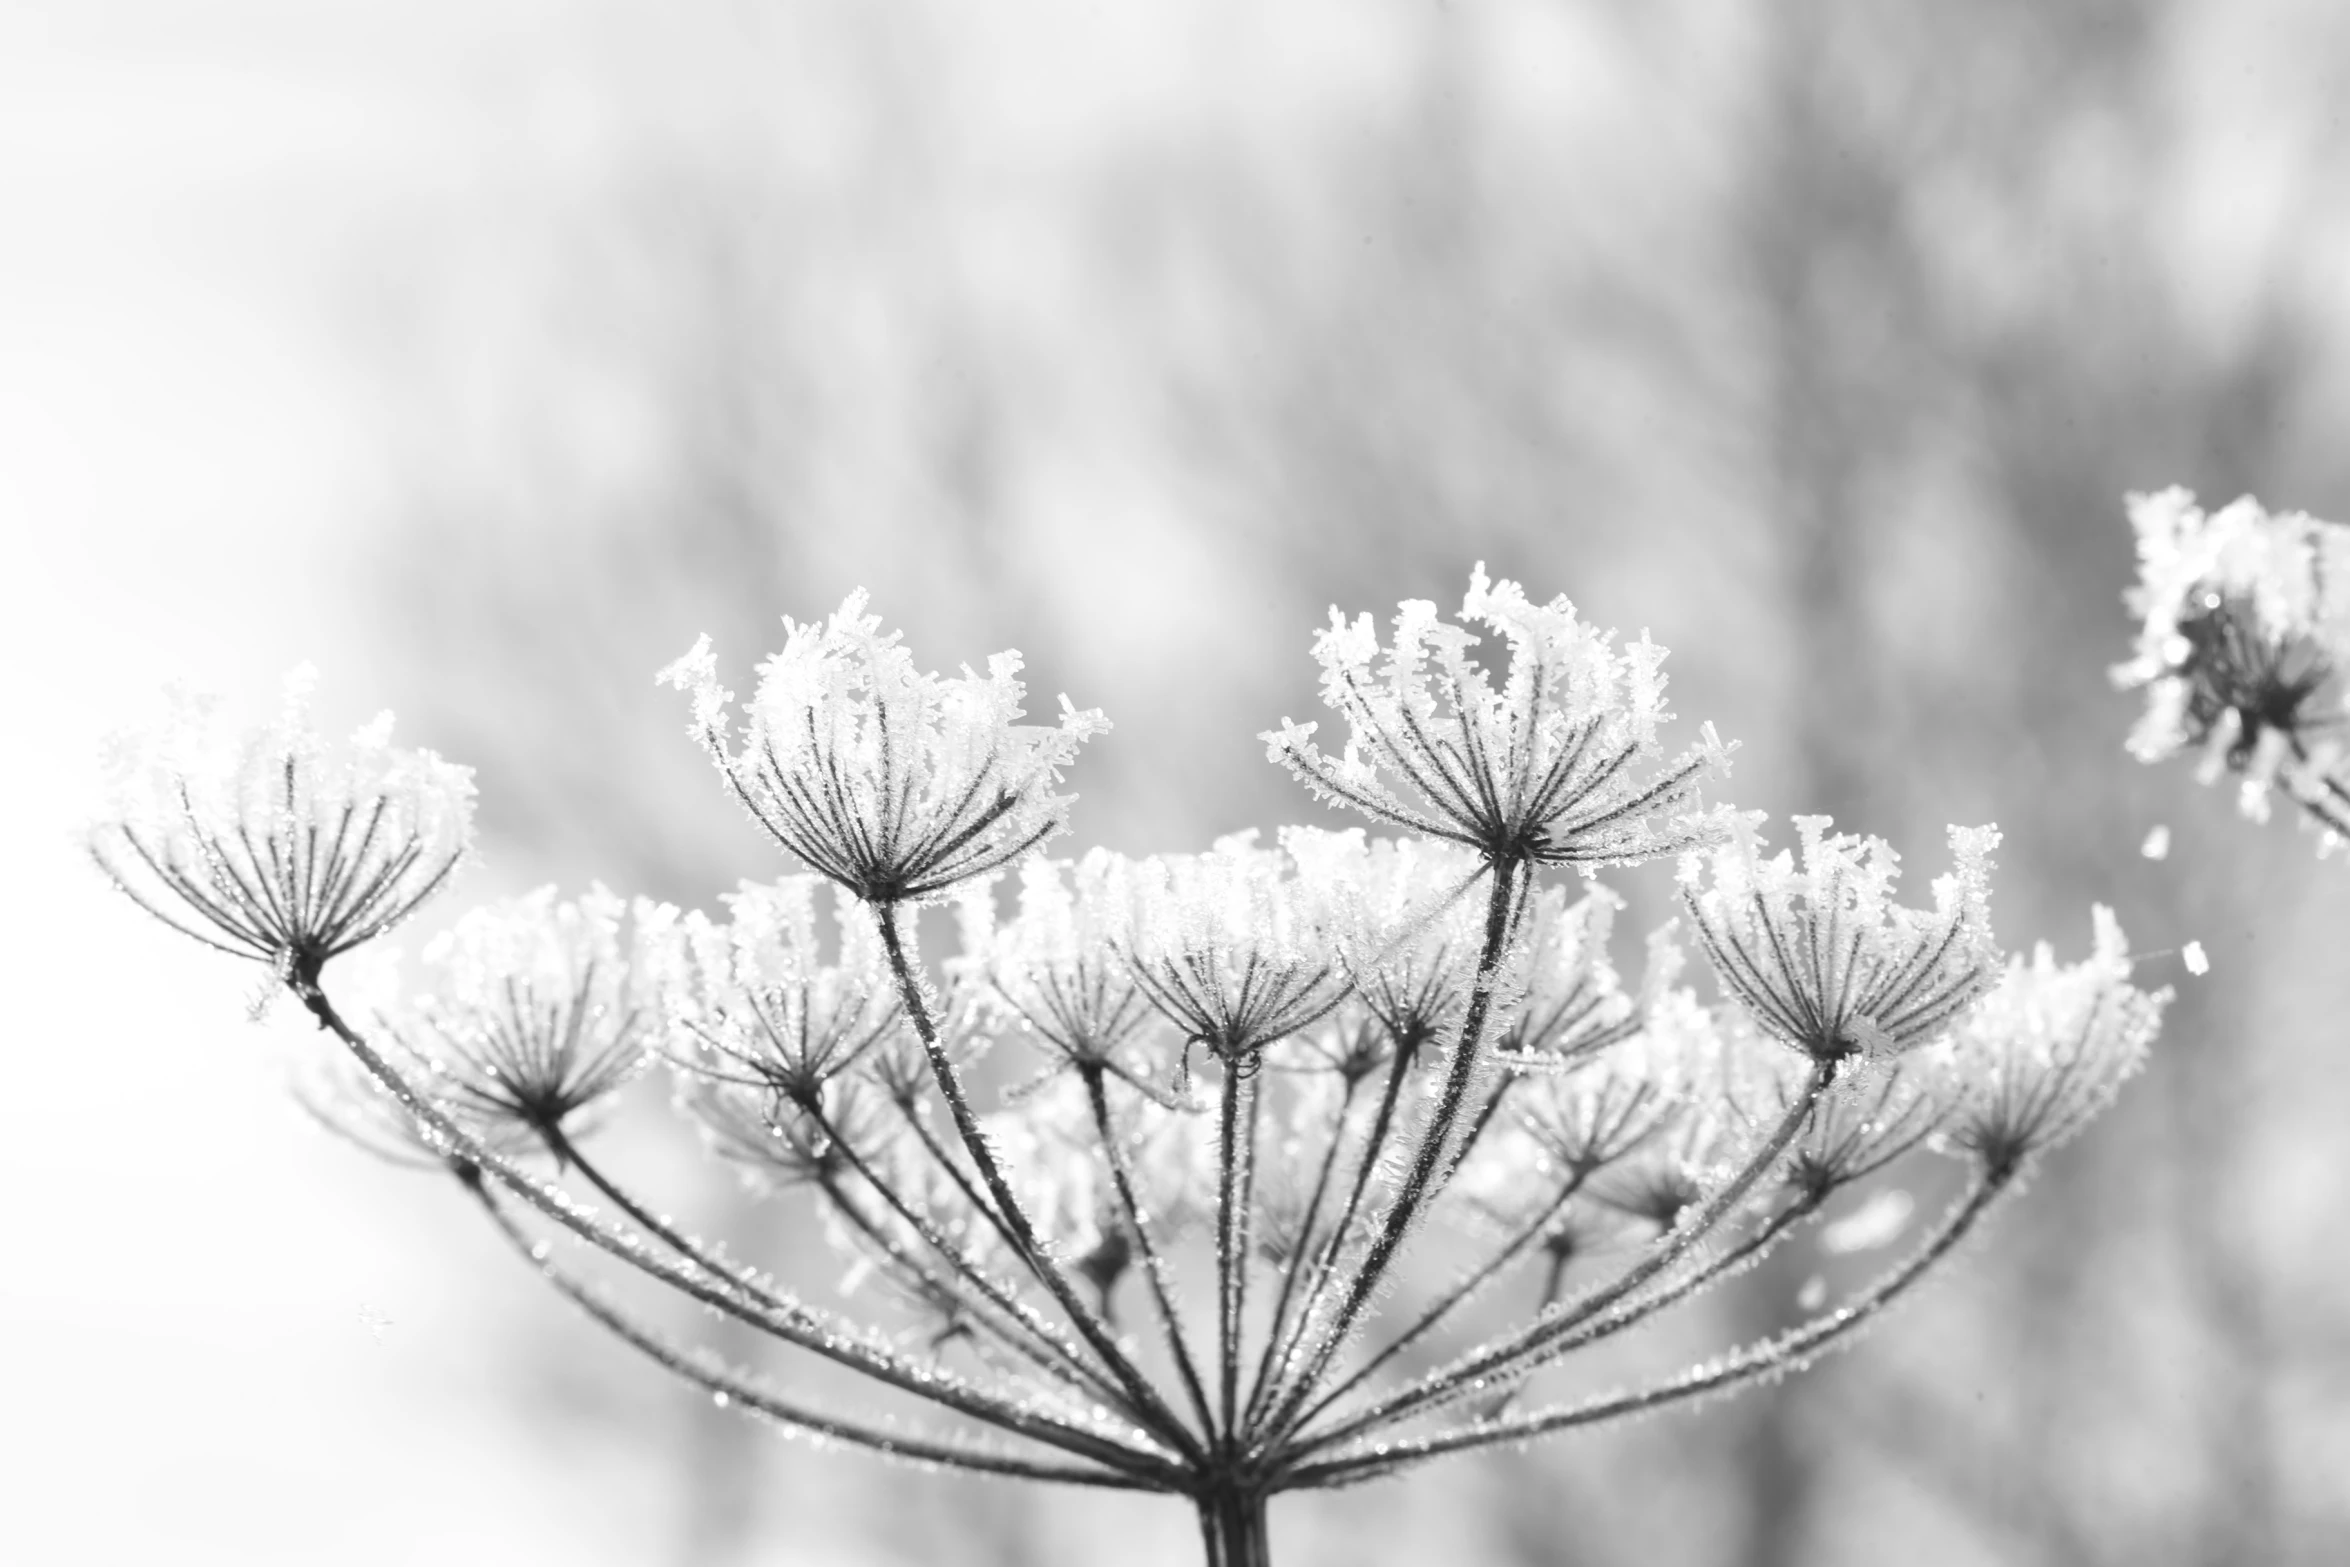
[(777, 1144), (1822, 956), (350, 1101), (1229, 945), (1056, 971), (758, 1002), (2049, 1048), (271, 845), (538, 1010), (896, 783), (1398, 915), (1561, 765), (2243, 638), (1574, 1006)]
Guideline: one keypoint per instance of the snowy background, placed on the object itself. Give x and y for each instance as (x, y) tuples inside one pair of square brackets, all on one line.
[(485, 353)]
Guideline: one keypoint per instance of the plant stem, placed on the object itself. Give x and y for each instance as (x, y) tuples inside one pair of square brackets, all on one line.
[(1153, 1411), (1232, 1527)]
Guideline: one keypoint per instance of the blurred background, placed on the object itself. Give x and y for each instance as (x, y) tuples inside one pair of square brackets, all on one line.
[(486, 353)]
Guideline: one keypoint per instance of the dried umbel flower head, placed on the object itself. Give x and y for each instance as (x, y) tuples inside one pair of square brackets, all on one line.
[(537, 1010), (1398, 914), (760, 1002), (272, 845), (1823, 957), (1056, 972), (1106, 1275), (1230, 945), (2049, 1048), (2243, 642), (349, 1101), (1558, 767), (896, 783)]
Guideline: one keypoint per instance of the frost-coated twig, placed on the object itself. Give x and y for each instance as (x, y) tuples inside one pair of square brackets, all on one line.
[(1156, 1416), (738, 1391), (1770, 1358)]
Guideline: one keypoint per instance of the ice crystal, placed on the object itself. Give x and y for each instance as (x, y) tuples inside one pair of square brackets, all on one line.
[(269, 843), (1559, 766), (895, 783), (1822, 956)]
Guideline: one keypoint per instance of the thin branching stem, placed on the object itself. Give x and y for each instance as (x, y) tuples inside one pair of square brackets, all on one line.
[(792, 1322), (1325, 1258), (1453, 1382), (1069, 1359), (1156, 1416), (1458, 1296), (1154, 1264), (1019, 1338), (1761, 1361), (738, 1392), (1510, 881), (1300, 1250)]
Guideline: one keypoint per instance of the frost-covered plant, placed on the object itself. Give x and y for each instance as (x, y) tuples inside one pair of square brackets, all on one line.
[(1256, 1077), (2243, 645)]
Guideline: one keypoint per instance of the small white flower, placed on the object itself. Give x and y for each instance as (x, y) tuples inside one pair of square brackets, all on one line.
[(269, 844), (895, 783), (1553, 768), (2049, 1048), (1824, 959)]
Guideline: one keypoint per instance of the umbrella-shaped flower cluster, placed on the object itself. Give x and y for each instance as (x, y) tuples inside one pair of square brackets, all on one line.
[(1131, 1190)]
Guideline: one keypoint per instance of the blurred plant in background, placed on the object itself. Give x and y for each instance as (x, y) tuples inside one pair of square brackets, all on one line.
[(1372, 1011)]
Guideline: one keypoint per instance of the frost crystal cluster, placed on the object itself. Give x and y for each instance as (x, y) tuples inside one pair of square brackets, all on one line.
[(2243, 641), (1287, 1164)]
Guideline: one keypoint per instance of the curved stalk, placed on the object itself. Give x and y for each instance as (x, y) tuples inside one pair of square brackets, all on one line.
[(1262, 1388), (1154, 1265), (1324, 1267), (736, 1391), (1159, 1419), (1761, 1361), (1454, 1299), (792, 1322), (1510, 880), (1453, 1382)]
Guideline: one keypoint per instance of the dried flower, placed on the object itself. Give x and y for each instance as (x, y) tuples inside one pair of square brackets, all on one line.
[(764, 1006), (539, 1009), (2048, 1049), (897, 784), (1057, 971), (2243, 642), (269, 845), (1229, 946), (1550, 769), (1822, 956)]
